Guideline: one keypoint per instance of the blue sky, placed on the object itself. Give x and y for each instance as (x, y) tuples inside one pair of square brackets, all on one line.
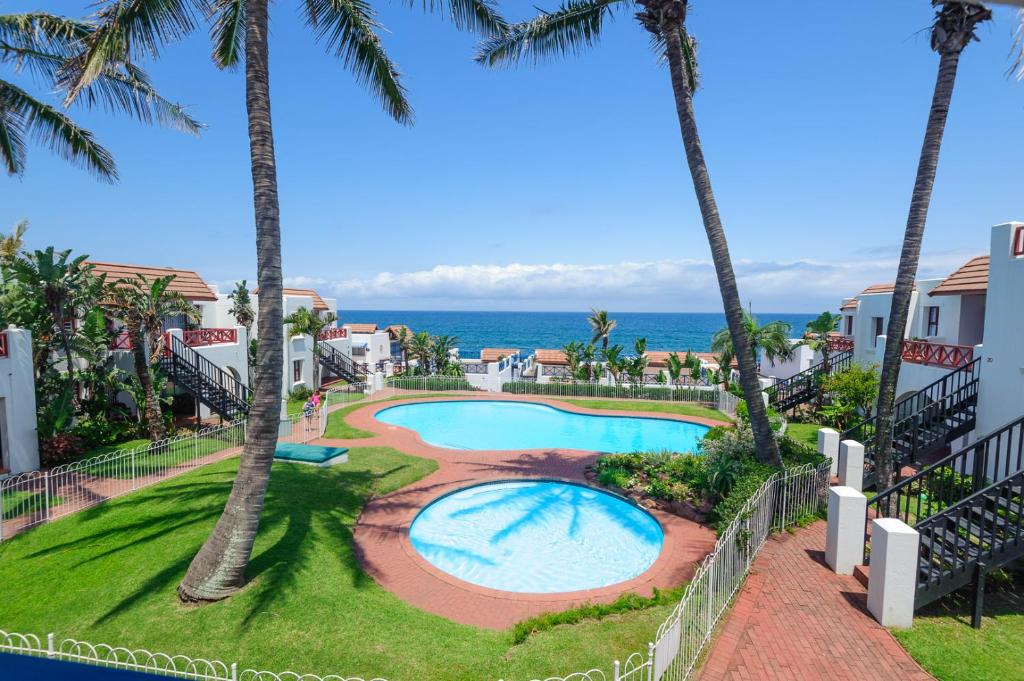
[(561, 186)]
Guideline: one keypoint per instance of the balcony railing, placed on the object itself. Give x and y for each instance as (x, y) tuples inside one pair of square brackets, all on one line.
[(201, 337), (3, 343), (937, 354), (333, 333), (121, 342), (840, 344)]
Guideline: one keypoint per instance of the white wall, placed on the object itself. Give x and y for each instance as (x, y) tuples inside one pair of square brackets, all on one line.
[(1001, 394), (803, 358), (18, 403), (870, 306)]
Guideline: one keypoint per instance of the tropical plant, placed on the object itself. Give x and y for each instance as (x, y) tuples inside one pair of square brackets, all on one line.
[(612, 359), (241, 307), (601, 325), (724, 360), (771, 340), (306, 322), (41, 44), (856, 386), (128, 32), (143, 306), (636, 365), (442, 349), (675, 367), (816, 337), (11, 244), (588, 359), (421, 348), (952, 31), (572, 351), (577, 24)]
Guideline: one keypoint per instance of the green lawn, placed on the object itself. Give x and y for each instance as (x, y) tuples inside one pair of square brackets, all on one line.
[(308, 608), (107, 449), (804, 432), (337, 428), (943, 641), (681, 408)]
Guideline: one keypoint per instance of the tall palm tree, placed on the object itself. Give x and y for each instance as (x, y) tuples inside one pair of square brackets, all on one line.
[(441, 350), (675, 367), (572, 351), (305, 322), (143, 306), (952, 31), (241, 306), (577, 24), (816, 337), (11, 244), (131, 31), (421, 348), (612, 358), (772, 339), (601, 325), (41, 44)]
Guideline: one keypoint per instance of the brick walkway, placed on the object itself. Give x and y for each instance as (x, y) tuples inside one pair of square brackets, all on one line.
[(797, 620)]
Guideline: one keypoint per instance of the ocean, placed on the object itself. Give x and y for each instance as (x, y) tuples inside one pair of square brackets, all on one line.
[(531, 330)]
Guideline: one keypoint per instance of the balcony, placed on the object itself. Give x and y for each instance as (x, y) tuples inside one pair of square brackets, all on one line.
[(937, 354), (3, 343), (195, 338), (840, 343), (333, 333)]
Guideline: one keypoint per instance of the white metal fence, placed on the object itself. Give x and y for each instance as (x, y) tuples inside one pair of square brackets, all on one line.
[(709, 395), (429, 383)]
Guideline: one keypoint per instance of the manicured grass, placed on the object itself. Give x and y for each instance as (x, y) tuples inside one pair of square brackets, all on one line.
[(338, 429), (681, 408), (804, 432), (943, 641), (107, 449), (18, 502), (109, 574)]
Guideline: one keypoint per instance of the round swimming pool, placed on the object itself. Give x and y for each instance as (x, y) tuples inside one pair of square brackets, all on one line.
[(537, 537), (498, 425)]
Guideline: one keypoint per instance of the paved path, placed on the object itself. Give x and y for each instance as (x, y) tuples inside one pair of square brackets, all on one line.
[(797, 620)]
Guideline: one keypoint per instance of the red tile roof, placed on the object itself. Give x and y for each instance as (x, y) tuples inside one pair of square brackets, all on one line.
[(361, 328), (496, 354), (848, 304), (972, 278), (551, 357), (186, 282), (318, 302), (395, 331)]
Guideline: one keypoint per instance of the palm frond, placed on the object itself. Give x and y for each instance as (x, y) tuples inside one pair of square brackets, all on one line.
[(689, 44), (1017, 68), (227, 32), (480, 16), (21, 114), (348, 27), (568, 30), (126, 30), (42, 32)]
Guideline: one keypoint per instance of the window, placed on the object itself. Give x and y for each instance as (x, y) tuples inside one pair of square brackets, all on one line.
[(933, 321), (1018, 241), (297, 371), (849, 325), (877, 325)]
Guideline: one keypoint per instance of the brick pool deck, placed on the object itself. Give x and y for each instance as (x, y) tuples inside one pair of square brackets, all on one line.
[(795, 619), (382, 532)]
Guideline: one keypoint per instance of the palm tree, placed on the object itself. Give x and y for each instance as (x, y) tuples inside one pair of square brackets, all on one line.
[(952, 31), (588, 355), (11, 244), (675, 367), (241, 306), (129, 32), (577, 24), (41, 44), (724, 359), (572, 351), (305, 322), (441, 352), (143, 306), (816, 337), (613, 360), (421, 347), (772, 340), (601, 325)]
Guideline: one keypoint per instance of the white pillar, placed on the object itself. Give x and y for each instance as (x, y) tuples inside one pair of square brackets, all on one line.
[(284, 428), (851, 464), (844, 543), (892, 582), (828, 446)]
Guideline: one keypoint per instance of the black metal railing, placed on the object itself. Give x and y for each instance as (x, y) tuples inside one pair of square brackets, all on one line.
[(212, 386), (341, 364), (474, 367), (802, 387)]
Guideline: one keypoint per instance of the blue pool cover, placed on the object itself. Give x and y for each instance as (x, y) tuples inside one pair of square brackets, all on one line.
[(314, 454), (24, 668)]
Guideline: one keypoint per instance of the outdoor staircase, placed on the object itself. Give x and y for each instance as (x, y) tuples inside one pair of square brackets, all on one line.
[(213, 387), (969, 510), (801, 388), (924, 423), (340, 364)]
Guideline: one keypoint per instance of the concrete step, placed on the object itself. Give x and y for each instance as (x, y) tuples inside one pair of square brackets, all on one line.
[(861, 573)]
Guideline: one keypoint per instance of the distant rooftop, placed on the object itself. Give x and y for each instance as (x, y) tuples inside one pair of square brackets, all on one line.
[(361, 328), (972, 278), (318, 302), (848, 304), (551, 357), (496, 354), (186, 282), (395, 331)]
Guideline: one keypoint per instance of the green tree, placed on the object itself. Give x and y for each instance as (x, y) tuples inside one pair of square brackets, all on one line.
[(130, 31), (421, 348), (241, 307), (601, 325), (816, 337), (576, 25), (612, 357), (441, 348), (675, 367), (772, 339), (11, 244), (853, 390), (143, 306), (952, 31), (572, 351), (41, 45), (588, 360), (305, 322)]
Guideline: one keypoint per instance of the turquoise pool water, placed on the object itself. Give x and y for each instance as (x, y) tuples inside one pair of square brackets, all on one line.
[(537, 537), (494, 425)]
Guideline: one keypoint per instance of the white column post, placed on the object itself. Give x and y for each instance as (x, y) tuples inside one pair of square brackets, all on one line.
[(851, 464), (893, 579), (844, 542), (285, 427), (828, 446)]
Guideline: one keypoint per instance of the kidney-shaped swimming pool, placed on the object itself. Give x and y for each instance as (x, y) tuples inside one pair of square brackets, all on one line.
[(498, 425)]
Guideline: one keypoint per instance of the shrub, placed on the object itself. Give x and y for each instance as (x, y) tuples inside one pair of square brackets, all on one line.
[(707, 396), (432, 383), (94, 432), (300, 394), (60, 449), (614, 476), (796, 453), (774, 418)]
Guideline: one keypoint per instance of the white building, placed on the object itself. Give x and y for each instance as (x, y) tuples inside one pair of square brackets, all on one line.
[(19, 441), (371, 346)]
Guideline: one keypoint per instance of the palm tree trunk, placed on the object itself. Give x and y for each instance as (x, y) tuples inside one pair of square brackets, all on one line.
[(904, 288), (218, 570), (767, 448), (150, 407)]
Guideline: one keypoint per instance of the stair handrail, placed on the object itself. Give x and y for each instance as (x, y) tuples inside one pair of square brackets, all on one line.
[(808, 377), (237, 390), (332, 354)]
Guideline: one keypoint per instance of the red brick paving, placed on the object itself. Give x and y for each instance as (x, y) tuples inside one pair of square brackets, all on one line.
[(795, 619), (382, 532)]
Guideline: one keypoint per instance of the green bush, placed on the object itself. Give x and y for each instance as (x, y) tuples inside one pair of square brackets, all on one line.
[(774, 418), (615, 391), (96, 432), (432, 383), (614, 476), (300, 394)]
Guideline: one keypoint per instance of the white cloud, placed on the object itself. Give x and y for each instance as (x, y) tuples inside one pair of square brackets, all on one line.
[(684, 285)]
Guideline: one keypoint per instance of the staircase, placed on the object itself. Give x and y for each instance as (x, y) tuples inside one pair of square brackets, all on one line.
[(208, 383), (340, 364), (969, 511), (926, 422), (801, 388)]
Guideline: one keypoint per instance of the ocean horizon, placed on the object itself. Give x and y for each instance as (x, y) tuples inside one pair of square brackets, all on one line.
[(527, 331)]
